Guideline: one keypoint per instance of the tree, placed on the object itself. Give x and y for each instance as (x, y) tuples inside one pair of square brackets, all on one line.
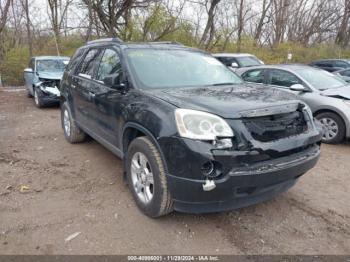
[(4, 10)]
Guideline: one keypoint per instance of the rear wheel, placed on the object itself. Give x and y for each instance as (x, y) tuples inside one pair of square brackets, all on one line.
[(333, 127), (146, 178), (72, 132)]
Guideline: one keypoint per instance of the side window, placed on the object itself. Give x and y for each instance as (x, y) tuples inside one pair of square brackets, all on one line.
[(255, 76), (88, 64), (109, 65), (283, 78), (329, 64), (323, 64)]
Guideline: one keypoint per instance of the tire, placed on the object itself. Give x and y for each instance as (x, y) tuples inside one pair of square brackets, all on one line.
[(37, 99), (334, 127), (72, 132), (160, 203)]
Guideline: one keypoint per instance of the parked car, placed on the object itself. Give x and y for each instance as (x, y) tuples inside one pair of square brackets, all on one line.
[(327, 95), (344, 74), (42, 78), (331, 65), (192, 135), (234, 61)]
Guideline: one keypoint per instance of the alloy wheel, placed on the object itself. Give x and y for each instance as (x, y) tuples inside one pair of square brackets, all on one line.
[(142, 177), (66, 122), (330, 128), (36, 97)]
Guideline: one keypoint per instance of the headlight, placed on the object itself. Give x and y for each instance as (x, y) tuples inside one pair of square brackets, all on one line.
[(201, 125)]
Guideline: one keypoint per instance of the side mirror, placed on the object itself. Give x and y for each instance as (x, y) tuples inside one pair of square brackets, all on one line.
[(113, 81), (234, 65), (298, 87), (28, 70)]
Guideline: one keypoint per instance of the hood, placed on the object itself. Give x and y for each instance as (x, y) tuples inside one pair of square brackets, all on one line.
[(230, 101), (341, 92), (51, 75)]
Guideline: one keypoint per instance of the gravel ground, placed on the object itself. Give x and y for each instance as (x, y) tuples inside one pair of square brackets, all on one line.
[(50, 189)]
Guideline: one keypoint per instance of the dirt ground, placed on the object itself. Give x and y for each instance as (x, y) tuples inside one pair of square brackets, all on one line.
[(79, 188)]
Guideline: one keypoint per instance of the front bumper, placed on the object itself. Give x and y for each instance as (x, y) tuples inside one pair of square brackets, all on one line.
[(48, 98), (247, 177), (242, 186)]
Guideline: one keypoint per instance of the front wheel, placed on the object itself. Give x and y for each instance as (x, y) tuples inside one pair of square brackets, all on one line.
[(37, 99), (146, 178), (333, 127)]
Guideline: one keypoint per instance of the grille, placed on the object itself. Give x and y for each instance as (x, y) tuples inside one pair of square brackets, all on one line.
[(274, 127)]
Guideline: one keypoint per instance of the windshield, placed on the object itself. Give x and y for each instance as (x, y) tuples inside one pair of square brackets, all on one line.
[(247, 61), (178, 68), (320, 79), (51, 65)]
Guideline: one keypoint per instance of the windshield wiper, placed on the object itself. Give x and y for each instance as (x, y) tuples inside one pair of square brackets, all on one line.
[(224, 84)]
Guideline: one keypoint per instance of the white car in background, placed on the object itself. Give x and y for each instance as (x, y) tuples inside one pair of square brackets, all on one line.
[(238, 60)]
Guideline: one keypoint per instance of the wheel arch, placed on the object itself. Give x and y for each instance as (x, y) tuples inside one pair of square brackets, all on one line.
[(327, 110), (133, 130)]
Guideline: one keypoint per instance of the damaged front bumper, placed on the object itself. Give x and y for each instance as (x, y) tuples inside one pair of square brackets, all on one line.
[(246, 176), (48, 92)]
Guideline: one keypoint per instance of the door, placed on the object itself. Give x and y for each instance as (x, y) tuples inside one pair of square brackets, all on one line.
[(29, 76), (109, 102), (283, 79), (83, 89)]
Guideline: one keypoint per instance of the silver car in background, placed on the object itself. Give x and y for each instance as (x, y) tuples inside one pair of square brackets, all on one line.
[(327, 94), (42, 78)]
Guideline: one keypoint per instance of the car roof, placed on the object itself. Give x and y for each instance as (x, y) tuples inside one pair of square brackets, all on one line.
[(285, 66), (332, 59), (51, 57), (290, 67), (231, 54), (150, 45)]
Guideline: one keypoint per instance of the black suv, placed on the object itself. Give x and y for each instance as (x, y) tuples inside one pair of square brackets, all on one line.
[(192, 135), (331, 65)]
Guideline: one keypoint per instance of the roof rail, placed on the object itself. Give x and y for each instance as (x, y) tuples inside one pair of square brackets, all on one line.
[(165, 43), (114, 39)]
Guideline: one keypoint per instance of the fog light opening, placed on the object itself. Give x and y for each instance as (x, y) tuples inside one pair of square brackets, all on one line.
[(208, 168), (211, 169)]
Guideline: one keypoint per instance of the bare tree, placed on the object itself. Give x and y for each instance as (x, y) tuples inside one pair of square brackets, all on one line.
[(57, 13), (114, 15), (208, 33), (343, 34), (266, 5), (4, 10), (25, 5)]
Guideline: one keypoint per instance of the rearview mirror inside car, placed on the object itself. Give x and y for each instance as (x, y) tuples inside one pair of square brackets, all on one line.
[(298, 87)]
